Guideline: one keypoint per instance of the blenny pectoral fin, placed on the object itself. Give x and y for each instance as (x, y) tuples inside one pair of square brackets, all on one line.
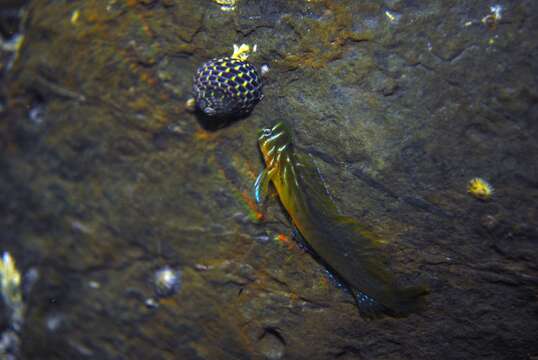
[(260, 189)]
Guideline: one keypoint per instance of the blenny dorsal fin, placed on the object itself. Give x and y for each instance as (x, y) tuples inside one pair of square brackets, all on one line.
[(361, 229)]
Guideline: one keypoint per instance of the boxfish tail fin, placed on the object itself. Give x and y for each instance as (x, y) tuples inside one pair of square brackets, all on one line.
[(409, 300)]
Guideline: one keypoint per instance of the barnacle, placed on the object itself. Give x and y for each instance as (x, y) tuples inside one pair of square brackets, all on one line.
[(167, 281)]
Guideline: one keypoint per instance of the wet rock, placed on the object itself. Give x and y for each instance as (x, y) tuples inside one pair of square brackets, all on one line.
[(105, 175), (271, 345), (489, 222)]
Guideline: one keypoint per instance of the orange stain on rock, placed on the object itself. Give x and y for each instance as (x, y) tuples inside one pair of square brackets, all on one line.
[(285, 240), (322, 41), (148, 79), (282, 238), (252, 206), (202, 135)]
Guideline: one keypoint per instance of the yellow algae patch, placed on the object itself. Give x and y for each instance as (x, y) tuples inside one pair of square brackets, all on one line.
[(202, 135), (10, 289), (480, 189), (10, 277), (75, 16)]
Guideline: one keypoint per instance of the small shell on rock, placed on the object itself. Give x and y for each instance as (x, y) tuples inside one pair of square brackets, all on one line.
[(264, 69), (167, 281)]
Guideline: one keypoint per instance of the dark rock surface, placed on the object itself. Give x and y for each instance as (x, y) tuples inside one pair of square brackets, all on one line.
[(105, 177)]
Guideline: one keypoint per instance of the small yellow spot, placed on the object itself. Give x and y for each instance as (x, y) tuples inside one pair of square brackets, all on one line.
[(190, 104), (227, 70), (237, 67), (390, 16), (220, 73), (226, 2), (227, 5), (10, 287), (9, 275), (245, 84), (240, 75), (480, 189), (233, 78), (75, 16)]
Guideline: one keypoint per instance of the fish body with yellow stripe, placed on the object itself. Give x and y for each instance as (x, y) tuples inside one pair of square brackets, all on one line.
[(227, 86), (345, 247)]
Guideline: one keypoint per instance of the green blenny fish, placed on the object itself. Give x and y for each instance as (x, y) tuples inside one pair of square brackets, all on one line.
[(345, 247)]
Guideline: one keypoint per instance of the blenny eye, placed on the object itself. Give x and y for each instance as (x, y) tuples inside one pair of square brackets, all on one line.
[(267, 131)]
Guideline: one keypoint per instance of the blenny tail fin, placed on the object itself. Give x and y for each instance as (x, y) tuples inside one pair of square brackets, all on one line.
[(368, 306), (409, 300), (406, 301)]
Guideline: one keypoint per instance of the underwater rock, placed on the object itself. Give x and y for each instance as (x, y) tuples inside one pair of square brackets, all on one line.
[(271, 345), (397, 110)]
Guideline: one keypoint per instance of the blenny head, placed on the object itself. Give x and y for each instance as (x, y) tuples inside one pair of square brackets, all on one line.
[(273, 141)]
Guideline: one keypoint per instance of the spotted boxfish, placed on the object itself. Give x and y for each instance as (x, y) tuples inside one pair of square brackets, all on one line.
[(228, 86)]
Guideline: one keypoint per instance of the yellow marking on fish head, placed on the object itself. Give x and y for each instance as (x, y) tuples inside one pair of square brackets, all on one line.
[(273, 142)]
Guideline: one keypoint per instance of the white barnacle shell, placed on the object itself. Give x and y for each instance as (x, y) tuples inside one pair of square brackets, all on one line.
[(167, 281)]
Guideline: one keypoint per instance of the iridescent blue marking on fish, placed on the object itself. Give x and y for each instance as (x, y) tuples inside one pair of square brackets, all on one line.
[(257, 188)]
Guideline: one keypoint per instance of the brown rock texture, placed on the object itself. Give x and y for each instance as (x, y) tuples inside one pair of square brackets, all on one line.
[(106, 177)]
